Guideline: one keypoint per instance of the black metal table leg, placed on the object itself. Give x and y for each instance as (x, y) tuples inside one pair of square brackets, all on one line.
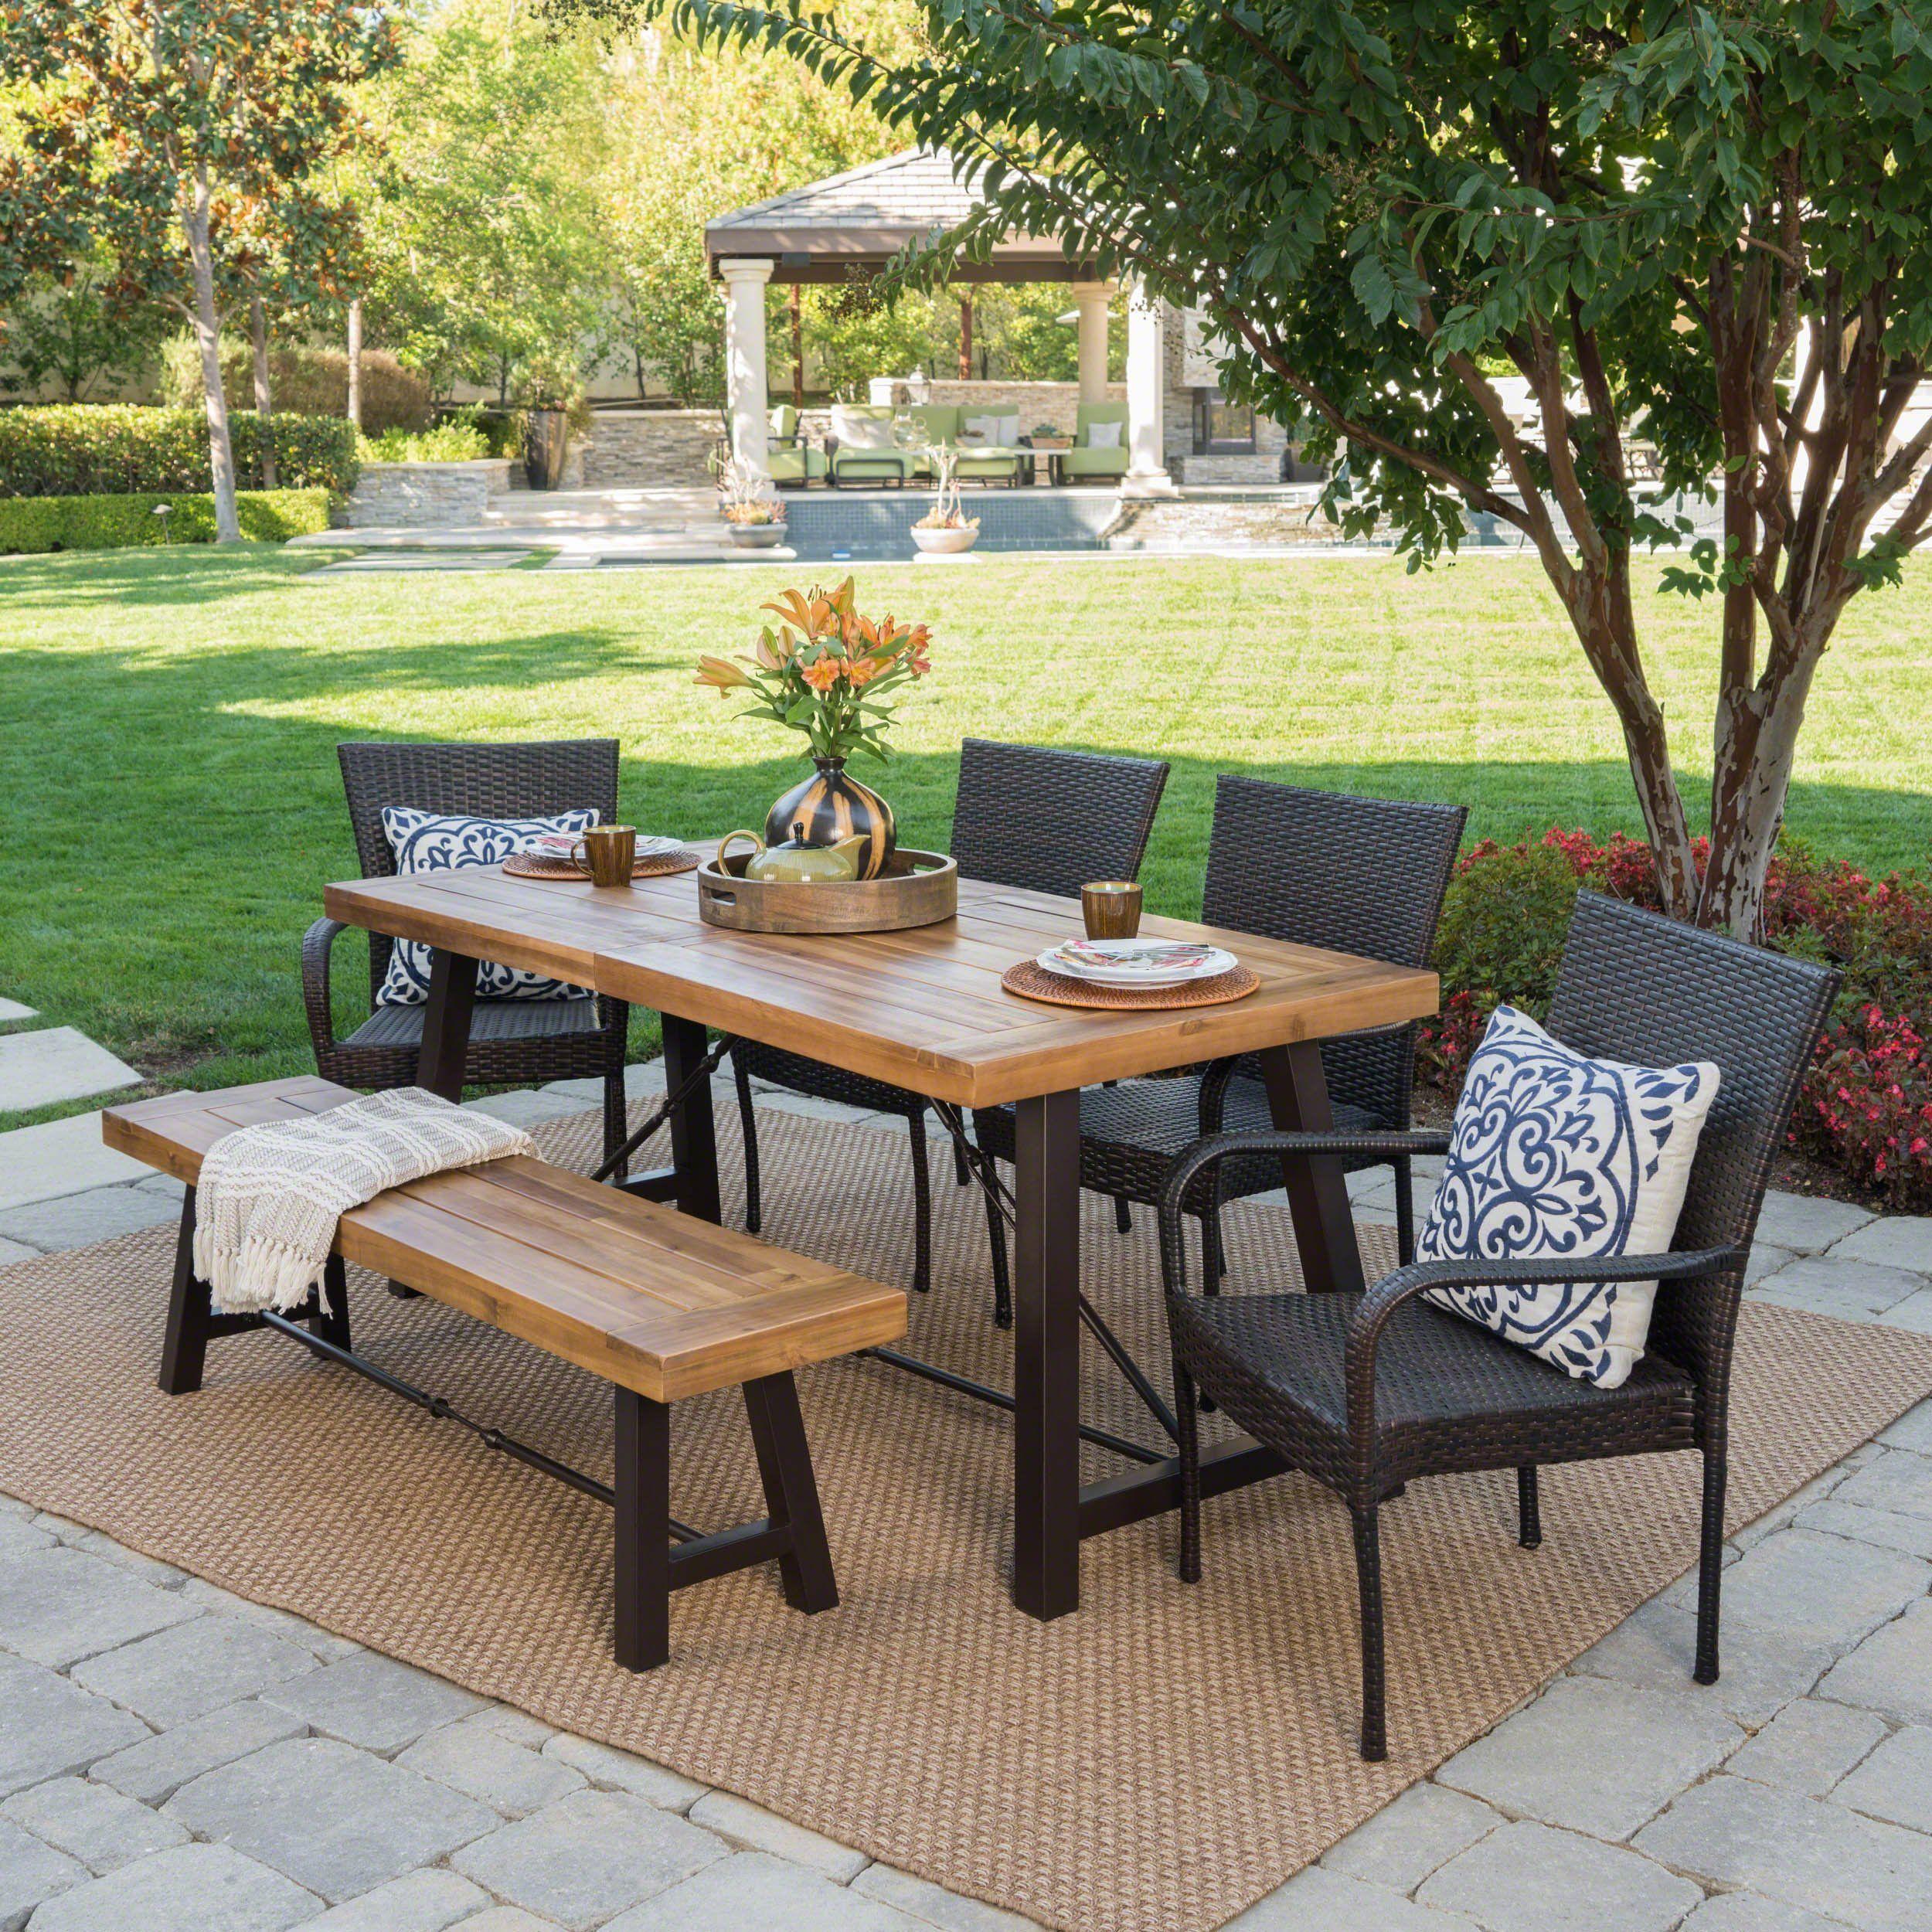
[(643, 1541), (446, 1024), (694, 1136), (1318, 1190), (1046, 1355)]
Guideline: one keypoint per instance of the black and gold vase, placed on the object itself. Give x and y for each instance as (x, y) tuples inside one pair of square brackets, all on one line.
[(830, 806)]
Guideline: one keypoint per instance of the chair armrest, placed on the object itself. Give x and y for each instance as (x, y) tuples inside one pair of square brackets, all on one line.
[(1372, 1312), (1217, 1147), (316, 942)]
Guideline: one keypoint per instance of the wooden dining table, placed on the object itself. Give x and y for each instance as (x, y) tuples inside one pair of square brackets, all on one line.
[(924, 1009)]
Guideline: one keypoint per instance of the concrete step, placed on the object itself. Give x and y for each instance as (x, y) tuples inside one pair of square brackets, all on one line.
[(54, 1063)]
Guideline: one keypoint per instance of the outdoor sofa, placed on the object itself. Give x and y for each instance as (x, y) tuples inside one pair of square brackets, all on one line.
[(1096, 460)]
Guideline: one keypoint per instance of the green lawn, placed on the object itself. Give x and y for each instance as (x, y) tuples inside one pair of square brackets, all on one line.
[(167, 720)]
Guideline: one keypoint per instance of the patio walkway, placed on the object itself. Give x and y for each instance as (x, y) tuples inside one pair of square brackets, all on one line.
[(147, 1713)]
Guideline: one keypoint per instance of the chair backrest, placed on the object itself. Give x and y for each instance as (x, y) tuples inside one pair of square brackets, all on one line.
[(939, 420), (1088, 413), (530, 780), (784, 423), (1363, 875), (1052, 820), (1637, 987)]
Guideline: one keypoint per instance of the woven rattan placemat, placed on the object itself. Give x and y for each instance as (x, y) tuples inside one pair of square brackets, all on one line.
[(536, 865), (1032, 981), (1152, 1764)]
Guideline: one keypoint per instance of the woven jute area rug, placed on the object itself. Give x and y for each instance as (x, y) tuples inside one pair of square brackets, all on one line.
[(1152, 1764)]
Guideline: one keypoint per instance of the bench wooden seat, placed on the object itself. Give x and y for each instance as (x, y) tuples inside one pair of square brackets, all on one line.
[(658, 1304)]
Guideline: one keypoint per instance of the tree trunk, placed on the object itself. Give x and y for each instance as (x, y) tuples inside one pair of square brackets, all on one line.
[(264, 402), (1757, 736), (207, 325), (798, 351), (355, 362), (966, 338)]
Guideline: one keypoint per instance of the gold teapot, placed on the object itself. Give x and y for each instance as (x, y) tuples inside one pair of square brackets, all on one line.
[(793, 864)]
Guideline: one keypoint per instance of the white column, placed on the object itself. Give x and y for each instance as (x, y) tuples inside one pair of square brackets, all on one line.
[(1091, 300), (1146, 380), (748, 405)]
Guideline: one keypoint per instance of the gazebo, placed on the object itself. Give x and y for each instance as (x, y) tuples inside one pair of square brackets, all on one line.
[(849, 226)]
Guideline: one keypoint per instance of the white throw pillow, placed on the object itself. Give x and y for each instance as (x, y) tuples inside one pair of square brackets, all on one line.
[(1554, 1154), (1103, 436), (857, 432), (430, 842), (997, 432)]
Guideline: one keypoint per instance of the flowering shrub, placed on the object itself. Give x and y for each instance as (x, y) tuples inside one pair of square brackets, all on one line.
[(1866, 1103)]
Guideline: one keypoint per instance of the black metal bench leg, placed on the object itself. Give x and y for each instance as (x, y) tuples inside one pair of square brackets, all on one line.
[(332, 1320), (791, 1491), (643, 1549), (184, 1353)]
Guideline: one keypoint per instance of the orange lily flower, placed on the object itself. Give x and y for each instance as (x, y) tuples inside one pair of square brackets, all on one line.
[(720, 674), (823, 674)]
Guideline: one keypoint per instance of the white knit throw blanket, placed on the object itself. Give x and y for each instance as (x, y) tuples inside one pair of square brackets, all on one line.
[(269, 1197)]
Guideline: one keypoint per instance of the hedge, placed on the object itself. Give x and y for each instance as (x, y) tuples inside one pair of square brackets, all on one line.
[(97, 449), (32, 523), (302, 381)]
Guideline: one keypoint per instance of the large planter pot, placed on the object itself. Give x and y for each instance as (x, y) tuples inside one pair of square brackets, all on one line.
[(829, 807), (545, 443), (757, 536), (944, 542)]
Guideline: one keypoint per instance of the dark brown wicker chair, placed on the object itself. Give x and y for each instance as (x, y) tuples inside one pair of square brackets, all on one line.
[(512, 1041), (1363, 875), (1046, 820), (1365, 1393)]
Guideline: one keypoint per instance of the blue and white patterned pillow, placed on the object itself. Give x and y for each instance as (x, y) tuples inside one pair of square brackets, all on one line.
[(1554, 1154), (430, 842)]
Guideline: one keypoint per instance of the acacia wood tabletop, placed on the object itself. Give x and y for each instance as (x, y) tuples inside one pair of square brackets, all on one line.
[(922, 1008)]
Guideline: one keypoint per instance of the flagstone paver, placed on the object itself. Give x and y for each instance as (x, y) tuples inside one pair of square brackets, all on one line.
[(101, 1827), (66, 1156), (11, 1010), (348, 1793), (336, 1819), (55, 1064), (193, 1888)]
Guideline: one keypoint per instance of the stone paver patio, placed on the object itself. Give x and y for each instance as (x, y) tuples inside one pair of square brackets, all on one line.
[(173, 1758)]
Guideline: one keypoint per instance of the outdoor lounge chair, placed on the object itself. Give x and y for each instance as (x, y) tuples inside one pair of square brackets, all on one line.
[(1363, 875), (513, 1043), (1087, 463), (977, 462), (1047, 820), (789, 457), (878, 460), (1367, 1392)]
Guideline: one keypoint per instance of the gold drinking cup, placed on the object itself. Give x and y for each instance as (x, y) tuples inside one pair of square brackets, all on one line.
[(607, 853), (1111, 908)]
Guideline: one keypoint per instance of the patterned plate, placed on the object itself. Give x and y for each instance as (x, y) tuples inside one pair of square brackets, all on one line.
[(530, 865)]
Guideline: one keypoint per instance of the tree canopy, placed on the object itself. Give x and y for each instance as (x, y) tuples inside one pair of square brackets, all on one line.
[(1701, 229)]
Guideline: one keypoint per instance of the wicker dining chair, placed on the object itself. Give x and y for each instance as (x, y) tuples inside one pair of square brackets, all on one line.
[(1363, 875), (1025, 816), (512, 1041), (1366, 1393)]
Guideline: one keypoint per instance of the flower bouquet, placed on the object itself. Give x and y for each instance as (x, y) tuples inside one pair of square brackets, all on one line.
[(825, 671)]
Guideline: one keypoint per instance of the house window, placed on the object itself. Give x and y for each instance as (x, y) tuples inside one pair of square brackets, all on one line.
[(1222, 428)]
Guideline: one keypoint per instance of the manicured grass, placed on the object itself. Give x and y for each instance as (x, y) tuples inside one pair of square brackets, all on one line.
[(172, 808)]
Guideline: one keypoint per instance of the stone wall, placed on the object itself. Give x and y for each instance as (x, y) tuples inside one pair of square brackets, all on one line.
[(647, 449), (423, 495), (1177, 427)]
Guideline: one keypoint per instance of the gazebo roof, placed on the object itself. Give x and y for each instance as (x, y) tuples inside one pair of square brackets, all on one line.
[(852, 224)]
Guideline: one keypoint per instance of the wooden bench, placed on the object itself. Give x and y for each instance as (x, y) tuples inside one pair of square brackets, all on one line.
[(658, 1304)]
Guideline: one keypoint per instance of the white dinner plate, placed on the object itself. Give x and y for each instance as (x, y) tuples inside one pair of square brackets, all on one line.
[(1135, 962)]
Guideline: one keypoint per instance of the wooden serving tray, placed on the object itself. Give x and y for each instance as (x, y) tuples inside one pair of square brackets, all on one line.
[(916, 889)]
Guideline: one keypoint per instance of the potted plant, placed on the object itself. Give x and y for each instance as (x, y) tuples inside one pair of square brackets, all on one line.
[(1045, 436), (751, 507), (945, 530), (825, 671)]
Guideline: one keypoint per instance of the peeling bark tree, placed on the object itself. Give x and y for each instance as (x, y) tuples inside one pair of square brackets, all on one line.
[(1643, 210)]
